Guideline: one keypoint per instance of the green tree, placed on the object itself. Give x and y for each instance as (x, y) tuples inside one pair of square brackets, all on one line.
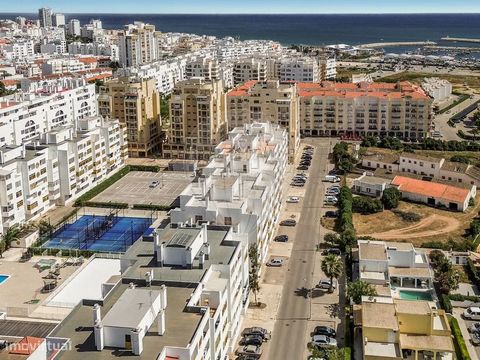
[(331, 239), (359, 288), (332, 267), (2, 248), (346, 164), (446, 277), (44, 227), (253, 280), (391, 198), (366, 205), (12, 234), (347, 240)]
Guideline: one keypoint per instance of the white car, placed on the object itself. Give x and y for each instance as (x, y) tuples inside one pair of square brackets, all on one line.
[(323, 341), (331, 199), (275, 262), (326, 284), (154, 184), (293, 199)]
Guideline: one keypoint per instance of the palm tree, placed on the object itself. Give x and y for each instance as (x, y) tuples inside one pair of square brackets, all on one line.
[(12, 234), (332, 267)]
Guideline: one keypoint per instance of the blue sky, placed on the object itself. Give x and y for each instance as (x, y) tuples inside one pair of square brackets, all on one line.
[(244, 6)]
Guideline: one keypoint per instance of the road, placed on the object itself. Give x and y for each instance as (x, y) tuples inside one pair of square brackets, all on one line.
[(292, 322), (448, 132)]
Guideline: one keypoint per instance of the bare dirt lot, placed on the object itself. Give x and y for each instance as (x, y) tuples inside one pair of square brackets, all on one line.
[(435, 224)]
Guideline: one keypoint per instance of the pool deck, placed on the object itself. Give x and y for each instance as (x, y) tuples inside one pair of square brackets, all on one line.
[(24, 285)]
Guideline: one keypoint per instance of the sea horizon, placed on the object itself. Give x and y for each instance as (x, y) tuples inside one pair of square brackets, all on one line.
[(304, 29)]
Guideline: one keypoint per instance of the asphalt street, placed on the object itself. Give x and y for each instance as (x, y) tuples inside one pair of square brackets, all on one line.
[(291, 327)]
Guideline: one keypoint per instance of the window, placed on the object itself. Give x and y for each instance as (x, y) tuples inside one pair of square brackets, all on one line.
[(433, 166), (227, 220)]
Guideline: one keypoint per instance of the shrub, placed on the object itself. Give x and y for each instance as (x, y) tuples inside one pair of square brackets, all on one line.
[(472, 272), (460, 297), (446, 304), (459, 341), (147, 168), (407, 215), (107, 205), (391, 198), (474, 227), (366, 205), (152, 207)]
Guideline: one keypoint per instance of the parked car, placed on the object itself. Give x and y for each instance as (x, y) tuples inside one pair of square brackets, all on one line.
[(474, 327), (322, 341), (154, 184), (475, 338), (308, 147), (296, 183), (275, 262), (324, 330), (326, 284), (288, 222), (299, 179), (332, 178), (256, 330), (302, 167), (252, 340), (246, 357), (303, 175), (331, 214), (334, 251), (305, 163), (281, 238), (472, 313), (331, 199), (293, 199), (252, 350), (331, 193)]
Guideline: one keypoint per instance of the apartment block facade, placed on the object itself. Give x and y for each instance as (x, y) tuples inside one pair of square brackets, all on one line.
[(25, 116), (197, 119), (241, 186), (57, 167), (137, 44), (136, 103), (269, 101), (378, 109)]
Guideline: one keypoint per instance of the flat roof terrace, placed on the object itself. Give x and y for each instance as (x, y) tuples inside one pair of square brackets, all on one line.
[(134, 188), (180, 327), (142, 256)]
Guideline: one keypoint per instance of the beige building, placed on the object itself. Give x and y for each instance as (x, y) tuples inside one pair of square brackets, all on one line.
[(138, 44), (270, 101), (197, 119), (378, 109), (136, 103)]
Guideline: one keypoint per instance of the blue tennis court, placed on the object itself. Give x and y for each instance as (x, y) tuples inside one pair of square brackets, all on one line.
[(109, 233)]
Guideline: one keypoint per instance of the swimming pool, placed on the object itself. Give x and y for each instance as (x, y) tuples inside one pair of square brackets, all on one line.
[(415, 295), (3, 278)]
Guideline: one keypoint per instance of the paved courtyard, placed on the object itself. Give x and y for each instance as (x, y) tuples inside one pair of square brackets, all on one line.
[(134, 188)]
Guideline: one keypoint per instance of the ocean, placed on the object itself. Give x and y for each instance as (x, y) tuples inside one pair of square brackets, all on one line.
[(303, 29)]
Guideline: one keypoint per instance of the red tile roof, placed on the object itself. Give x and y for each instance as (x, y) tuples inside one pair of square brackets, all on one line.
[(431, 189), (26, 346), (242, 89)]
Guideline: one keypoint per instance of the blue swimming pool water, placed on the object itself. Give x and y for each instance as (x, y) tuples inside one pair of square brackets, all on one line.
[(90, 232), (3, 278), (415, 295)]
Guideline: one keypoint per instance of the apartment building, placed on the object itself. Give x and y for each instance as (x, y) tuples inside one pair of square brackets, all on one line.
[(197, 119), (249, 69), (206, 68), (186, 286), (299, 69), (137, 44), (45, 17), (136, 103), (62, 65), (25, 116), (269, 101), (437, 89), (57, 166), (422, 165), (403, 329), (378, 109), (328, 67), (241, 186)]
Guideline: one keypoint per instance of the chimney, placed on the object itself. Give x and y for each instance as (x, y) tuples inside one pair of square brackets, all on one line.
[(201, 258), (163, 296), (206, 250), (161, 322), (98, 333), (148, 279), (97, 316), (131, 286)]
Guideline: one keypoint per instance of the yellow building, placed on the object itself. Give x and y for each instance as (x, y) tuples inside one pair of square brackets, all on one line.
[(136, 103), (403, 329), (270, 101), (197, 119)]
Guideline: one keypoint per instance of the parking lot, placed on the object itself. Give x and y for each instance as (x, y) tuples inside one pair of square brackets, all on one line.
[(134, 188), (464, 324)]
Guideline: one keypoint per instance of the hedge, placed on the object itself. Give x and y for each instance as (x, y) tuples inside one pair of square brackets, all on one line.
[(446, 304), (65, 252), (459, 341), (472, 272), (460, 297), (108, 205), (152, 207), (111, 180)]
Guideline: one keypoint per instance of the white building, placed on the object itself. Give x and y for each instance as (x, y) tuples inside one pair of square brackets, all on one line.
[(62, 65), (74, 28), (188, 289), (241, 186), (302, 69), (45, 17), (137, 44), (57, 167), (25, 116), (58, 19), (438, 89)]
